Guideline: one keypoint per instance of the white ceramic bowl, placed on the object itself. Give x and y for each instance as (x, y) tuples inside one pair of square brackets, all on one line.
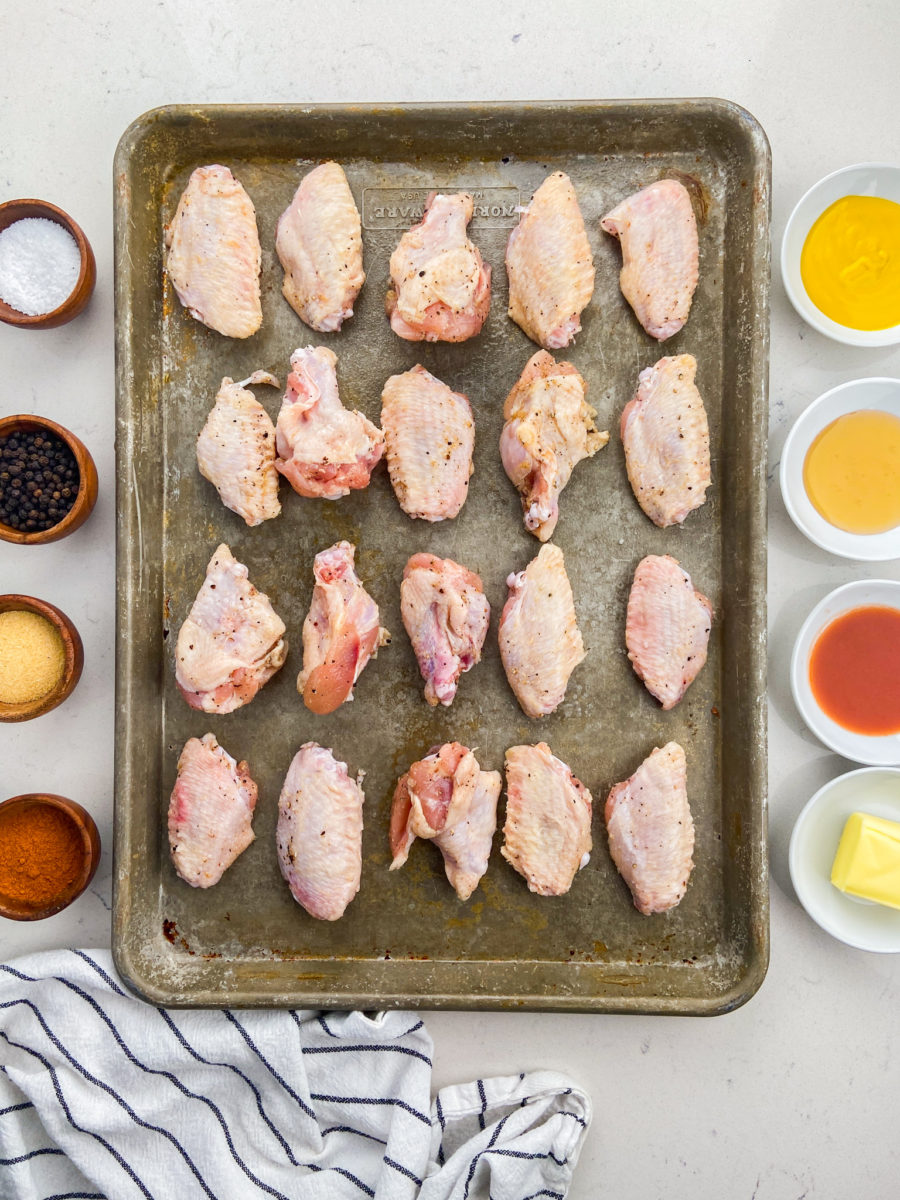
[(858, 747), (864, 179), (814, 843), (878, 393)]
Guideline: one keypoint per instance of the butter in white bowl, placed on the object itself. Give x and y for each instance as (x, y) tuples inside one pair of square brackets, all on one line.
[(867, 863)]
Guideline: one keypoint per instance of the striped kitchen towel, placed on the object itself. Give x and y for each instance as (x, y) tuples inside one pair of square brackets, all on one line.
[(102, 1095)]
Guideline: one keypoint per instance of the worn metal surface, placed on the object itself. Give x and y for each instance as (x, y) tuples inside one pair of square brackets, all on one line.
[(406, 939)]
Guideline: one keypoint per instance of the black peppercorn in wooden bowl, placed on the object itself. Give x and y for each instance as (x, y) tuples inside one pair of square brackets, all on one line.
[(38, 510), (72, 305)]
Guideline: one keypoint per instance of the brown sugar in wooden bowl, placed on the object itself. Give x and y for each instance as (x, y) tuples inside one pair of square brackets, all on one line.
[(73, 659), (49, 852), (88, 484), (17, 210)]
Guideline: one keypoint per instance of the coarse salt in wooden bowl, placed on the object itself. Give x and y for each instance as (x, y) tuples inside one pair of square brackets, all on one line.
[(88, 483), (76, 860), (74, 303), (73, 659)]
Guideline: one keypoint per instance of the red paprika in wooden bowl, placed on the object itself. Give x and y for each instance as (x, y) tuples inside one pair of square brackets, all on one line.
[(49, 851)]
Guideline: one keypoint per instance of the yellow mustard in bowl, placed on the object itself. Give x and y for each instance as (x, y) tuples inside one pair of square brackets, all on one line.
[(850, 262)]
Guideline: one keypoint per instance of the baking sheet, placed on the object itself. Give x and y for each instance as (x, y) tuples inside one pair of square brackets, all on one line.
[(406, 939)]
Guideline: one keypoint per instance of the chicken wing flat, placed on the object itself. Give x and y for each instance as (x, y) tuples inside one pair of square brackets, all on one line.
[(667, 628), (660, 256), (540, 642), (440, 287), (446, 614), (210, 812), (429, 438), (665, 433), (550, 267), (318, 836), (651, 831), (549, 429), (341, 631), (213, 254), (231, 642), (318, 240), (547, 834), (447, 799), (236, 451), (324, 449)]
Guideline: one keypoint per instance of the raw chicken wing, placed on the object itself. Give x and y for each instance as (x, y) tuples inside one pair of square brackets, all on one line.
[(547, 835), (213, 254), (551, 271), (340, 634), (667, 628), (446, 615), (446, 798), (236, 451), (651, 831), (429, 438), (231, 643), (441, 289), (540, 643), (210, 812), (319, 832), (658, 232), (665, 433), (324, 449), (318, 240), (549, 429)]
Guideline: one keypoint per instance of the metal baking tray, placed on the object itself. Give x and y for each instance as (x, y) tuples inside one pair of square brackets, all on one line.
[(406, 939)]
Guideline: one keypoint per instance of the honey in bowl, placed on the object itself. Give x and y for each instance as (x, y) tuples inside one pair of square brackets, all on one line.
[(850, 262), (854, 670), (851, 472)]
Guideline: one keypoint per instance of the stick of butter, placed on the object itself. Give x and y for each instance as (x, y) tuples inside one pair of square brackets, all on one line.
[(867, 863)]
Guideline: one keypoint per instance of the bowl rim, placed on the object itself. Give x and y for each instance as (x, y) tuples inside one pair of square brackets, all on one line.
[(72, 667), (85, 498), (789, 464), (803, 305), (12, 316), (797, 832), (90, 841), (812, 715)]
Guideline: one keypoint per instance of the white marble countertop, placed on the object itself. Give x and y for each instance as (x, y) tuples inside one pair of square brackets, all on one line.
[(794, 1094)]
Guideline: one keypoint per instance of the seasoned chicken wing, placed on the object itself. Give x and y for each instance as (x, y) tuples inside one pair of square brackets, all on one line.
[(665, 433), (540, 642), (231, 642), (210, 812), (651, 831), (324, 449), (319, 832), (236, 451), (341, 631), (318, 240), (667, 628), (440, 287), (446, 615), (446, 798), (549, 429), (550, 267), (658, 232), (429, 437), (213, 254), (547, 834)]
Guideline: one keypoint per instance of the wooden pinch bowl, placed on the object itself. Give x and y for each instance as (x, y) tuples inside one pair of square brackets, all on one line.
[(20, 910), (87, 481), (17, 210), (74, 658)]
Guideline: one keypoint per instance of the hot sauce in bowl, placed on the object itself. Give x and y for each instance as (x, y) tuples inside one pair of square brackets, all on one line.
[(854, 670)]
